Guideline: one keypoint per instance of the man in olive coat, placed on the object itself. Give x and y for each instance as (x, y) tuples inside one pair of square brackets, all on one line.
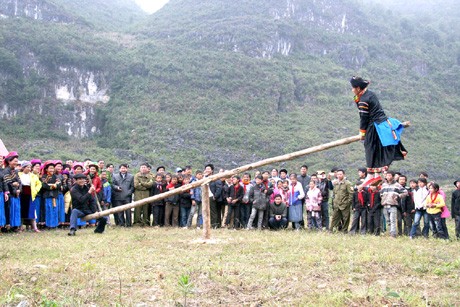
[(143, 182), (343, 197)]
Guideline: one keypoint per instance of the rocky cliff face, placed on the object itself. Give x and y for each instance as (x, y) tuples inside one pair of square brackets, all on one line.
[(66, 95), (281, 28), (69, 100), (34, 9)]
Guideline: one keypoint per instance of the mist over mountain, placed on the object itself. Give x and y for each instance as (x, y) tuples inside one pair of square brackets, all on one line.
[(226, 82)]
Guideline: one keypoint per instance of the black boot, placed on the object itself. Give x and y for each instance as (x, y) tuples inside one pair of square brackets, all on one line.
[(101, 222), (72, 232)]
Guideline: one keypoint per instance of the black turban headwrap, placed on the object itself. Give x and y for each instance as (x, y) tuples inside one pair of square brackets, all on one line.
[(359, 82)]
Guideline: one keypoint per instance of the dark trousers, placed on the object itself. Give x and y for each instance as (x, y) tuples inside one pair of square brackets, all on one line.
[(142, 215), (359, 222), (419, 214), (184, 214), (408, 219), (172, 210), (399, 220), (235, 209), (274, 224), (374, 221), (245, 212), (42, 217), (457, 227), (122, 218), (436, 226), (341, 219), (325, 214), (266, 217), (216, 215), (158, 215), (444, 227)]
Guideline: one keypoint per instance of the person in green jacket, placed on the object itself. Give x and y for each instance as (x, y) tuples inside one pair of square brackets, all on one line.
[(143, 182), (343, 197)]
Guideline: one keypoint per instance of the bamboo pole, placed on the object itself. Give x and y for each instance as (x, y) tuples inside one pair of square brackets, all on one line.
[(235, 171), (206, 211)]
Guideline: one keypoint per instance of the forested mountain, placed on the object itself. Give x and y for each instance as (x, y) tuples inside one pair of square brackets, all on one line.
[(227, 82)]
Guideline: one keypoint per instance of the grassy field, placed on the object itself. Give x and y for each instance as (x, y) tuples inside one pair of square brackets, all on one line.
[(167, 267)]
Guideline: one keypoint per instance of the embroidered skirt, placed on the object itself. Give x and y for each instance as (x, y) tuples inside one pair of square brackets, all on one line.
[(295, 213), (15, 212), (51, 214), (2, 210), (377, 155)]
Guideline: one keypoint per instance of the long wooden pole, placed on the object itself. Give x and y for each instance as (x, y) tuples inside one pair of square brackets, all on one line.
[(235, 171), (206, 212)]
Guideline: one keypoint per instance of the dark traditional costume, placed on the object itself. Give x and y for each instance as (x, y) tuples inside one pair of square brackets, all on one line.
[(50, 186), (2, 201), (382, 142), (10, 176), (60, 204)]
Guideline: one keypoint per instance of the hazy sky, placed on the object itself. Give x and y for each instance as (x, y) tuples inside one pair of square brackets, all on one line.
[(151, 6)]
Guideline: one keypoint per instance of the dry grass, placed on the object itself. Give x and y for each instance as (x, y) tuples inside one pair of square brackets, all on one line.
[(143, 266)]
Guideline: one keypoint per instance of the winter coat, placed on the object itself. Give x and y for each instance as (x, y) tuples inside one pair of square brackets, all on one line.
[(280, 209), (196, 194), (343, 194), (313, 200), (157, 189), (258, 197), (455, 204), (296, 194), (82, 200), (407, 203), (357, 205), (185, 199), (173, 199), (375, 201), (49, 191), (9, 177), (142, 185), (216, 190), (391, 193), (236, 193), (127, 187)]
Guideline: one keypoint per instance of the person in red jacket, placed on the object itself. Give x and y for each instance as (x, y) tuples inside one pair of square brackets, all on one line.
[(93, 174)]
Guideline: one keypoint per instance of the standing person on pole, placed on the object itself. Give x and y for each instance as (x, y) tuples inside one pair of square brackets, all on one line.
[(381, 134)]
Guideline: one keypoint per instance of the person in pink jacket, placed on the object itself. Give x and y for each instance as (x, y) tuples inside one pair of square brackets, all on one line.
[(313, 205)]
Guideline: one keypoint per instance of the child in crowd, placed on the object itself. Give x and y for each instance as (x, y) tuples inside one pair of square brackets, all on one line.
[(420, 198), (107, 192), (434, 204), (196, 203), (185, 202), (158, 207), (374, 211), (234, 198), (313, 206), (258, 196), (359, 207), (172, 204), (246, 205), (226, 185)]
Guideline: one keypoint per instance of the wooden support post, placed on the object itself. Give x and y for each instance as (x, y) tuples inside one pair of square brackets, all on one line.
[(239, 170), (206, 211)]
